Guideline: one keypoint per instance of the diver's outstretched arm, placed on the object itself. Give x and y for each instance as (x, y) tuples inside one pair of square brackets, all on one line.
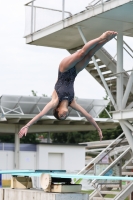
[(79, 108), (52, 104)]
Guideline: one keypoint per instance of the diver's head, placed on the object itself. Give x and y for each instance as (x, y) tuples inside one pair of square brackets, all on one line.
[(61, 112)]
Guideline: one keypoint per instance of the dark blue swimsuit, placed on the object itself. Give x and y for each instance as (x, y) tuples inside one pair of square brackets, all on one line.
[(64, 86)]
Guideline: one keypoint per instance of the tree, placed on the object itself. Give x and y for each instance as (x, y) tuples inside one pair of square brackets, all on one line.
[(7, 138), (34, 93), (29, 139)]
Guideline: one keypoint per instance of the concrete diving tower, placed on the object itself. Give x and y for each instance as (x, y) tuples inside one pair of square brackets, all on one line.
[(73, 32), (112, 15)]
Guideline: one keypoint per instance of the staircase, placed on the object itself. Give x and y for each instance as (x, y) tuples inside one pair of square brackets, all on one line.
[(116, 191), (107, 65), (112, 191)]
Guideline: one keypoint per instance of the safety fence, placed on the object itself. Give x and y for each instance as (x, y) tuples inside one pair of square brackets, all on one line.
[(40, 14)]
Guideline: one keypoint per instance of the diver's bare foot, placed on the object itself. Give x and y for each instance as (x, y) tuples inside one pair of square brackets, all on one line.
[(108, 35)]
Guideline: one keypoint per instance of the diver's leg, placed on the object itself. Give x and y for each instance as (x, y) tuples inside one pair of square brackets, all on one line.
[(84, 62), (80, 55)]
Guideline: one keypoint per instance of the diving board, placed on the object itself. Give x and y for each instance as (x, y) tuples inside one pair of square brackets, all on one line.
[(54, 180), (30, 171), (77, 176), (62, 174)]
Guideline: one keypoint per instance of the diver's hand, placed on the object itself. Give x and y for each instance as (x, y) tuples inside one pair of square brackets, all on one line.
[(100, 135), (23, 131)]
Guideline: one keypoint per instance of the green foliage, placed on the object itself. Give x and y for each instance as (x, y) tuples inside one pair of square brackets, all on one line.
[(86, 136), (29, 139), (34, 93), (78, 181), (7, 138), (44, 95), (74, 137)]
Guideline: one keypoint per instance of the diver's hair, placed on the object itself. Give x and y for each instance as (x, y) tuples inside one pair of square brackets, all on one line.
[(55, 113)]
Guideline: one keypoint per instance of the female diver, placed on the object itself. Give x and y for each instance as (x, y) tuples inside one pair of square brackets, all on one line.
[(63, 94)]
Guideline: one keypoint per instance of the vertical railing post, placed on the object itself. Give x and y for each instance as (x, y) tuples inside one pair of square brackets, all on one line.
[(17, 148), (119, 69), (34, 19), (102, 5), (32, 4), (63, 9)]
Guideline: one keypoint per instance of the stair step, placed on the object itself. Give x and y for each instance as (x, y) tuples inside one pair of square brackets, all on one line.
[(113, 81), (103, 69), (127, 173), (129, 167), (107, 75), (98, 62), (112, 186), (109, 192), (100, 198)]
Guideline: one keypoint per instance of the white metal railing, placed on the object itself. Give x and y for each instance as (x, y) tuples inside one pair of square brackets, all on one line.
[(33, 14), (101, 155), (127, 48), (96, 2)]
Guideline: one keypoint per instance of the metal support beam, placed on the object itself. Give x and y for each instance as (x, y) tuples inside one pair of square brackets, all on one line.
[(127, 133), (126, 114), (17, 148), (128, 125), (32, 7), (127, 91), (99, 71), (119, 69), (40, 128)]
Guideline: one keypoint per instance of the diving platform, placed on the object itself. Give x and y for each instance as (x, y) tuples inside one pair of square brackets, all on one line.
[(111, 15), (11, 194)]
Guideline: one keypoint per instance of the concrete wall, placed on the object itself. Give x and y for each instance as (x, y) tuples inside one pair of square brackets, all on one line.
[(27, 160), (46, 156), (66, 157), (11, 194)]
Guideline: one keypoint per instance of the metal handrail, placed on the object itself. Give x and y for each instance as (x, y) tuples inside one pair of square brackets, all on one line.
[(126, 49), (108, 55), (121, 72), (29, 2), (96, 3), (98, 157), (113, 163), (33, 14), (50, 9), (128, 46)]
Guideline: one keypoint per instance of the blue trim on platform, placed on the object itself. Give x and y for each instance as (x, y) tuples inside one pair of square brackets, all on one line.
[(63, 175)]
